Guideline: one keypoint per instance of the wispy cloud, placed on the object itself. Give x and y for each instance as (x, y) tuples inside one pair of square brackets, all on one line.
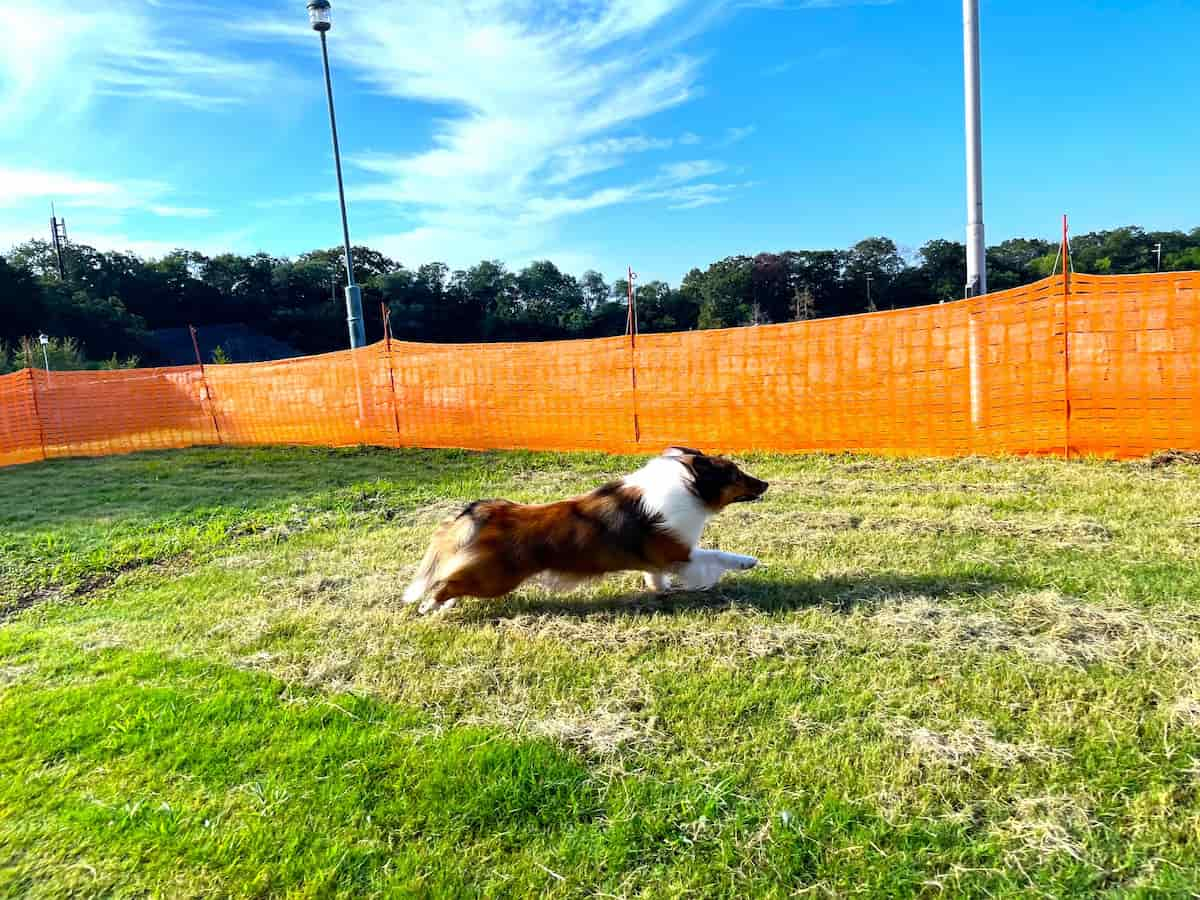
[(181, 212), (808, 4), (60, 55), (538, 101), (23, 187), (734, 135), (824, 55), (124, 241)]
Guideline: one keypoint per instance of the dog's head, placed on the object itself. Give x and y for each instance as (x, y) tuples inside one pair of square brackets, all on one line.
[(717, 481)]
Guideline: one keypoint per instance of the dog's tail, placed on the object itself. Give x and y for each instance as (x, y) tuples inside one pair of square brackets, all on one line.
[(443, 555)]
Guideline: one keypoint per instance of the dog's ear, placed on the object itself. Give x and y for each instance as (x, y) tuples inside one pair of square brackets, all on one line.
[(708, 477), (681, 451)]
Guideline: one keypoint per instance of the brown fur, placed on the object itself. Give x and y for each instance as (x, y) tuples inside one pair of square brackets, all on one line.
[(492, 546), (604, 531)]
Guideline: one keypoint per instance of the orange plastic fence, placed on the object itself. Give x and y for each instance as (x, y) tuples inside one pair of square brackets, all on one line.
[(1106, 365)]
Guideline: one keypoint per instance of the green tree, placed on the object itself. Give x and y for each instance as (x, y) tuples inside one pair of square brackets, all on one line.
[(879, 258), (551, 301), (727, 293), (944, 265), (22, 307)]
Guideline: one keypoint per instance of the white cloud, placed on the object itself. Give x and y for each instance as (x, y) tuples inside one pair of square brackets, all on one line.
[(26, 186), (98, 211), (60, 55), (125, 242), (23, 185), (734, 135), (537, 104), (808, 4), (181, 212), (689, 169)]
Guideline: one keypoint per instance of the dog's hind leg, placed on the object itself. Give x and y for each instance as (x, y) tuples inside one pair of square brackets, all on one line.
[(441, 600), (470, 579)]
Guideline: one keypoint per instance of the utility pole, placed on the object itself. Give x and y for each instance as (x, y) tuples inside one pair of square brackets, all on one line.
[(319, 14), (58, 237), (976, 258), (1158, 255), (870, 302)]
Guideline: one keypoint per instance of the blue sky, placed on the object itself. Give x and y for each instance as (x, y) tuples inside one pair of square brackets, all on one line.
[(598, 133)]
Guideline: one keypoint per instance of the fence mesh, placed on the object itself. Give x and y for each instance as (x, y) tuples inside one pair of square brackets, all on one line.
[(1106, 365)]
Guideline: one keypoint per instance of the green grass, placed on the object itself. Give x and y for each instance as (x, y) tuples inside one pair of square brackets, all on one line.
[(976, 677)]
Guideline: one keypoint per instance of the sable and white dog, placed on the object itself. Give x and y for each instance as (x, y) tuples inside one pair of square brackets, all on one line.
[(649, 522)]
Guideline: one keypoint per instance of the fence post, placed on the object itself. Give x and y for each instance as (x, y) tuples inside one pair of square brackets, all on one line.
[(974, 366), (387, 343), (1066, 256), (37, 414), (204, 383), (631, 327)]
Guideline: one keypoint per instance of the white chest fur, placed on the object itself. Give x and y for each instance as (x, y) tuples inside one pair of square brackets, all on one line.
[(664, 483)]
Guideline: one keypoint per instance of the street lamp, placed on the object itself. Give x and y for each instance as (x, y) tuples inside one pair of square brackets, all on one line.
[(319, 14), (976, 248)]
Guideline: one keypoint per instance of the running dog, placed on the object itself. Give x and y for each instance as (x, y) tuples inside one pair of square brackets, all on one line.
[(649, 522)]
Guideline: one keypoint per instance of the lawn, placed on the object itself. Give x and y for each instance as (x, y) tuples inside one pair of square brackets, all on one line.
[(970, 678)]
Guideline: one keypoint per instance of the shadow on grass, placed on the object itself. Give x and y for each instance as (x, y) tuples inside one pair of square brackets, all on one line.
[(839, 593)]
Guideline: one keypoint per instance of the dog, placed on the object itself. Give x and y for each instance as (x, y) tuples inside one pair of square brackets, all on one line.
[(649, 522)]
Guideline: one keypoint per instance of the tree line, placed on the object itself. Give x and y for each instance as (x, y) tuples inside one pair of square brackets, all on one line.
[(108, 303)]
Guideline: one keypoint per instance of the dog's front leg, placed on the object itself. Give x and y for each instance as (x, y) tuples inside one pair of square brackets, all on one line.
[(706, 567), (657, 581)]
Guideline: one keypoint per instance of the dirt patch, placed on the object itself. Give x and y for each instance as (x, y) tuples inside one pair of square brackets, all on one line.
[(90, 585), (1165, 458)]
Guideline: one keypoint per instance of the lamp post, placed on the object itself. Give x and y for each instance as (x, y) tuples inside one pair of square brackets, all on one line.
[(319, 14), (976, 252)]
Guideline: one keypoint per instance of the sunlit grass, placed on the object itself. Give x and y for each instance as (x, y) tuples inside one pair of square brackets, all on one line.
[(974, 677)]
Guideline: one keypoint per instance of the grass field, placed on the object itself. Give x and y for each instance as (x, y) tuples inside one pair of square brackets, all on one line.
[(967, 677)]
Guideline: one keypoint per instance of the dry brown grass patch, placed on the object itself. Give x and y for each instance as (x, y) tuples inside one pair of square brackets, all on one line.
[(1044, 626), (960, 746), (757, 639), (1039, 828), (13, 674)]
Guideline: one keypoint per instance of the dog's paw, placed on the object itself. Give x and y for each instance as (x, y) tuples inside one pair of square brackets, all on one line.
[(745, 562), (431, 607)]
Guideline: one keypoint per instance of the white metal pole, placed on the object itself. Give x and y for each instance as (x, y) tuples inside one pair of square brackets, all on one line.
[(976, 261)]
